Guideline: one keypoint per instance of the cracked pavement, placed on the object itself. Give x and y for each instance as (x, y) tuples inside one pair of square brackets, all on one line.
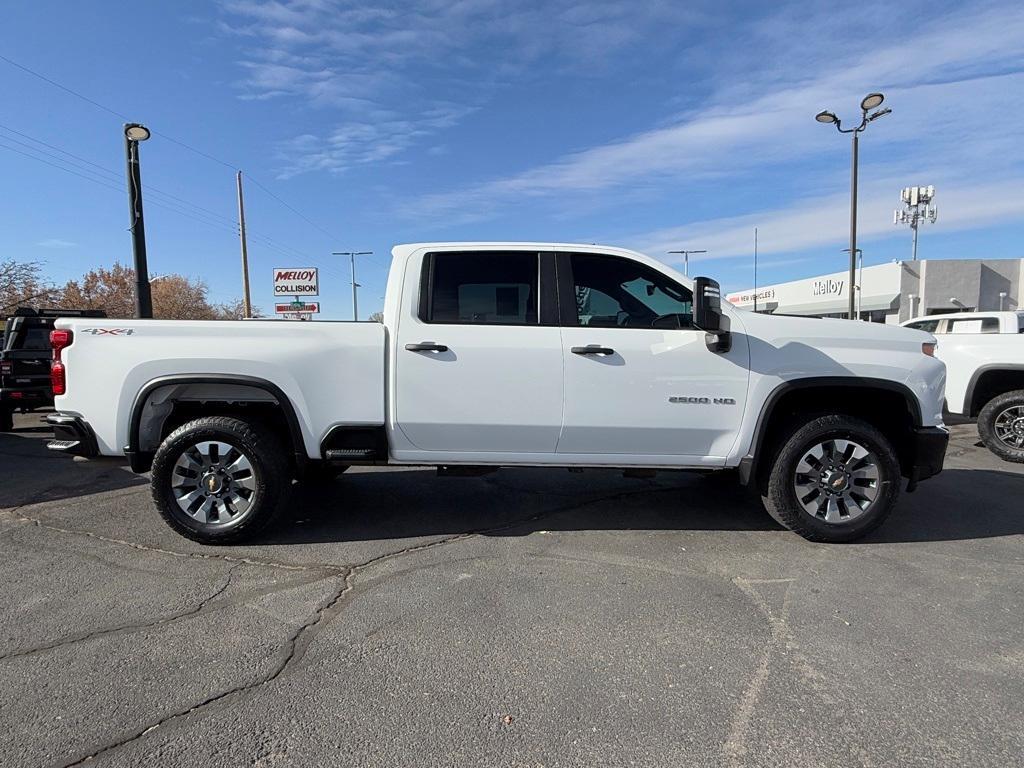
[(525, 618)]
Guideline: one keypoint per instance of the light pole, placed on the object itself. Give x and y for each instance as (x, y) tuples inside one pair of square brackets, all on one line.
[(686, 260), (869, 102), (352, 255), (133, 134), (860, 279)]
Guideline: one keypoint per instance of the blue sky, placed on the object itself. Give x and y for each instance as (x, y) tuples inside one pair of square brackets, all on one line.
[(656, 125)]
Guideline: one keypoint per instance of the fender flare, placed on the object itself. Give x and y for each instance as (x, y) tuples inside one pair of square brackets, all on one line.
[(137, 458), (749, 463), (976, 377)]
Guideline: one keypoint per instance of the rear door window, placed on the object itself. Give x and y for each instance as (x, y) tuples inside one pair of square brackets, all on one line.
[(481, 288)]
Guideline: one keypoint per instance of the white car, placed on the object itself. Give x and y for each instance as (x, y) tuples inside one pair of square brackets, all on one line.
[(984, 356), (510, 354)]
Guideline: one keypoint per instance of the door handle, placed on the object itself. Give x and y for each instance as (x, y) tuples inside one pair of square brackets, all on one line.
[(426, 346), (593, 349)]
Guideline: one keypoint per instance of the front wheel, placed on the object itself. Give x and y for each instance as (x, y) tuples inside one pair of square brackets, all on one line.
[(834, 479), (1001, 426), (218, 480)]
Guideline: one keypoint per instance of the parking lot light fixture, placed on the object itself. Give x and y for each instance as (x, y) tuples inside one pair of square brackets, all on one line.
[(870, 101)]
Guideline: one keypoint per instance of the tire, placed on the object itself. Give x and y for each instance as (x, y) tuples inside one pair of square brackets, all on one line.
[(1001, 426), (852, 489), (6, 420), (245, 486)]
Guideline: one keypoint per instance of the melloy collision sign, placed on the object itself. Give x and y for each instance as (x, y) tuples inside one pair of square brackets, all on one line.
[(296, 281)]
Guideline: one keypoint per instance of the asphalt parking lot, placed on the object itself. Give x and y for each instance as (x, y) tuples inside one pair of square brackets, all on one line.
[(526, 618)]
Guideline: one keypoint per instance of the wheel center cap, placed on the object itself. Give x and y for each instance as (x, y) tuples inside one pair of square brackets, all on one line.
[(213, 483), (1018, 426), (836, 481)]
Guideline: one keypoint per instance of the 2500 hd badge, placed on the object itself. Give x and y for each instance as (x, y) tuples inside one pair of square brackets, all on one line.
[(703, 400)]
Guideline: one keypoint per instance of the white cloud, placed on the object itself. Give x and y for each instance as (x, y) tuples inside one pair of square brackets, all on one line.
[(820, 222), (367, 61), (935, 79), (57, 243)]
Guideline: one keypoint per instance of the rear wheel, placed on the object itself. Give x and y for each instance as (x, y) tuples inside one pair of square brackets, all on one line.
[(218, 480), (834, 479), (1001, 426)]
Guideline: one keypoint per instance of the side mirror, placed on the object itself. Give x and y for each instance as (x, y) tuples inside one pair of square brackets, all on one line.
[(707, 314), (707, 305)]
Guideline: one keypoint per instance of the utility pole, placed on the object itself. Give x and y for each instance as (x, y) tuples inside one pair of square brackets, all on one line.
[(246, 301), (352, 256), (686, 260), (133, 134)]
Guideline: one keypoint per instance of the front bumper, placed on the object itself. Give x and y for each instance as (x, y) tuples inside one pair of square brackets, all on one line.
[(928, 451), (71, 434)]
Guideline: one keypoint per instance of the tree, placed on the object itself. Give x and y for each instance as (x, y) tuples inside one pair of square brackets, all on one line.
[(175, 297), (21, 284)]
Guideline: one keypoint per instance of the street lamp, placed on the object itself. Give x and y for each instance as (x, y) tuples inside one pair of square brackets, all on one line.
[(133, 134), (869, 102), (686, 260)]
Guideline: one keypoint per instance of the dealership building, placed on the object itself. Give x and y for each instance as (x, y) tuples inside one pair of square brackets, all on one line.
[(894, 292)]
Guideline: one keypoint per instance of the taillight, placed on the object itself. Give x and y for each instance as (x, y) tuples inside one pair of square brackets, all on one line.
[(928, 348), (59, 339)]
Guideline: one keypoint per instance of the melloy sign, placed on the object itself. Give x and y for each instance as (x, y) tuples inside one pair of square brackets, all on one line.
[(296, 281)]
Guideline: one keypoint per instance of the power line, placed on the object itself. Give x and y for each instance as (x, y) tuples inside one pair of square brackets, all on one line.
[(268, 242), (212, 158)]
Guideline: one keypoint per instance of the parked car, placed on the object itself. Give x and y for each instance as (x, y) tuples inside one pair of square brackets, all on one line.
[(25, 360), (510, 354), (984, 356)]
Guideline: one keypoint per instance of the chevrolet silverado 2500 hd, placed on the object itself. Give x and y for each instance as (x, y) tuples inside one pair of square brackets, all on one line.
[(984, 357), (510, 354)]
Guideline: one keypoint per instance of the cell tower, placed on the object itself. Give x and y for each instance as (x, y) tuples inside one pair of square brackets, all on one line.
[(918, 209)]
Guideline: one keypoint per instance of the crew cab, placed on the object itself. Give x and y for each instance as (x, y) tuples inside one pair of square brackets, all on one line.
[(510, 354), (984, 356)]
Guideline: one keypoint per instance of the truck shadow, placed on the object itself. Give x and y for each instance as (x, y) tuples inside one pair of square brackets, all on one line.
[(957, 505), (30, 473)]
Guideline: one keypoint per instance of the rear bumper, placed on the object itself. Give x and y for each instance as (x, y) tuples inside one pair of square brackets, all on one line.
[(71, 434), (26, 397), (928, 451)]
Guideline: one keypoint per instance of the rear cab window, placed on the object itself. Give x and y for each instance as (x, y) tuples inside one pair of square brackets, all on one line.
[(973, 325)]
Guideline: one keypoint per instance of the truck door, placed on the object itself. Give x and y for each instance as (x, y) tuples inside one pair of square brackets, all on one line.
[(478, 358), (639, 377)]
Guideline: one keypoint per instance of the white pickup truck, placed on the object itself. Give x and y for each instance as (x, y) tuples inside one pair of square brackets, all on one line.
[(510, 354), (984, 357)]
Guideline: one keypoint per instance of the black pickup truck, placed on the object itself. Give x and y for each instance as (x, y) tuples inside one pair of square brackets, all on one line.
[(25, 360)]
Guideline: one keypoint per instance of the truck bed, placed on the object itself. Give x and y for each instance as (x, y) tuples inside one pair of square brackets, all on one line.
[(332, 372)]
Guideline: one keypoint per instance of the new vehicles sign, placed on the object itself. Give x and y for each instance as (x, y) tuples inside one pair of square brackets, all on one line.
[(296, 281)]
